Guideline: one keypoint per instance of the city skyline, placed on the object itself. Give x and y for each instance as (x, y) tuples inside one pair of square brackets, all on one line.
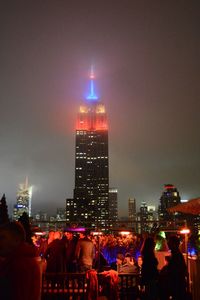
[(146, 57)]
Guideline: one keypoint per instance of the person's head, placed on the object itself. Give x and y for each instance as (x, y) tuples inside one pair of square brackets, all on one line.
[(51, 235), (11, 236), (173, 243), (69, 235), (129, 258), (148, 246), (82, 235), (139, 261), (119, 258), (57, 235)]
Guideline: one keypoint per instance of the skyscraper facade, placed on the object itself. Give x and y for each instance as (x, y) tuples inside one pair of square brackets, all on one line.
[(170, 197), (91, 192), (143, 218), (132, 216), (23, 204), (113, 207)]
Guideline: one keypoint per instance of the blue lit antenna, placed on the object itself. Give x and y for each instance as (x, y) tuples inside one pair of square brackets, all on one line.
[(92, 95)]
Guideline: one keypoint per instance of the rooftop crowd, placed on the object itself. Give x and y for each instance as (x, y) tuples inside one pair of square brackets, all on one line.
[(81, 252)]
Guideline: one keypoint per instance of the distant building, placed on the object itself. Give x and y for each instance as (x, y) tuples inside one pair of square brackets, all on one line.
[(41, 216), (143, 218), (132, 215), (170, 197), (152, 213), (113, 207), (71, 211), (61, 214), (23, 204), (90, 204)]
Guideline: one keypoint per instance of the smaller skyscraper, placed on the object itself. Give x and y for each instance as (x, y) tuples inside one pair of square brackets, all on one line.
[(170, 197), (61, 214), (113, 207), (132, 213), (23, 204), (143, 218)]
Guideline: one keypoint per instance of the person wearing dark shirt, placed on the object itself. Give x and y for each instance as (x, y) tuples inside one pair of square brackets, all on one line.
[(70, 246), (20, 274), (177, 271), (55, 254), (149, 271)]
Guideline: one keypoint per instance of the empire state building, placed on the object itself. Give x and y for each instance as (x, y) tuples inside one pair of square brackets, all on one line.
[(90, 204)]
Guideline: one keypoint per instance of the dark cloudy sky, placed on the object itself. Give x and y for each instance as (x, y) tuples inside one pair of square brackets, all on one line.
[(146, 56)]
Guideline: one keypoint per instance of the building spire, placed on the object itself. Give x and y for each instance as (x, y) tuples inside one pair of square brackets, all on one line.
[(92, 95)]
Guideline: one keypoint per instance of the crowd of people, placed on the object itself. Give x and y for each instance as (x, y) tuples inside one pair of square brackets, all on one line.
[(69, 252)]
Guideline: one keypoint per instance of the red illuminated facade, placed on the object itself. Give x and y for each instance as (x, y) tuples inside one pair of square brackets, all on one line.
[(92, 117)]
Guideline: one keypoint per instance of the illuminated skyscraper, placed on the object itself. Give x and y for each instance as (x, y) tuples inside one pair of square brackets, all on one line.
[(170, 197), (91, 192), (23, 204), (113, 207), (132, 216), (132, 210)]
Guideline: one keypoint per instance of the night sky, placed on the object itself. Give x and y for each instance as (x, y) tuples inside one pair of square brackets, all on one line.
[(146, 57)]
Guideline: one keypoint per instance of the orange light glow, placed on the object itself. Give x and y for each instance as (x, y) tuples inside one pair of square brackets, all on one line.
[(100, 109), (92, 119), (125, 232), (83, 109), (185, 231), (97, 233)]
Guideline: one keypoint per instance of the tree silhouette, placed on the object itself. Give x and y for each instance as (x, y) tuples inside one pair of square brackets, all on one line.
[(24, 220), (4, 218)]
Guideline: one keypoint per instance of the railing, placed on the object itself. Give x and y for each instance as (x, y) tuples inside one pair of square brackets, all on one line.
[(73, 286), (194, 277), (77, 286), (62, 286), (129, 286)]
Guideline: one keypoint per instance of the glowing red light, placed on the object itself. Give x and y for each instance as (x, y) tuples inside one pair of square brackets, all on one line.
[(169, 186), (94, 121), (185, 231)]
